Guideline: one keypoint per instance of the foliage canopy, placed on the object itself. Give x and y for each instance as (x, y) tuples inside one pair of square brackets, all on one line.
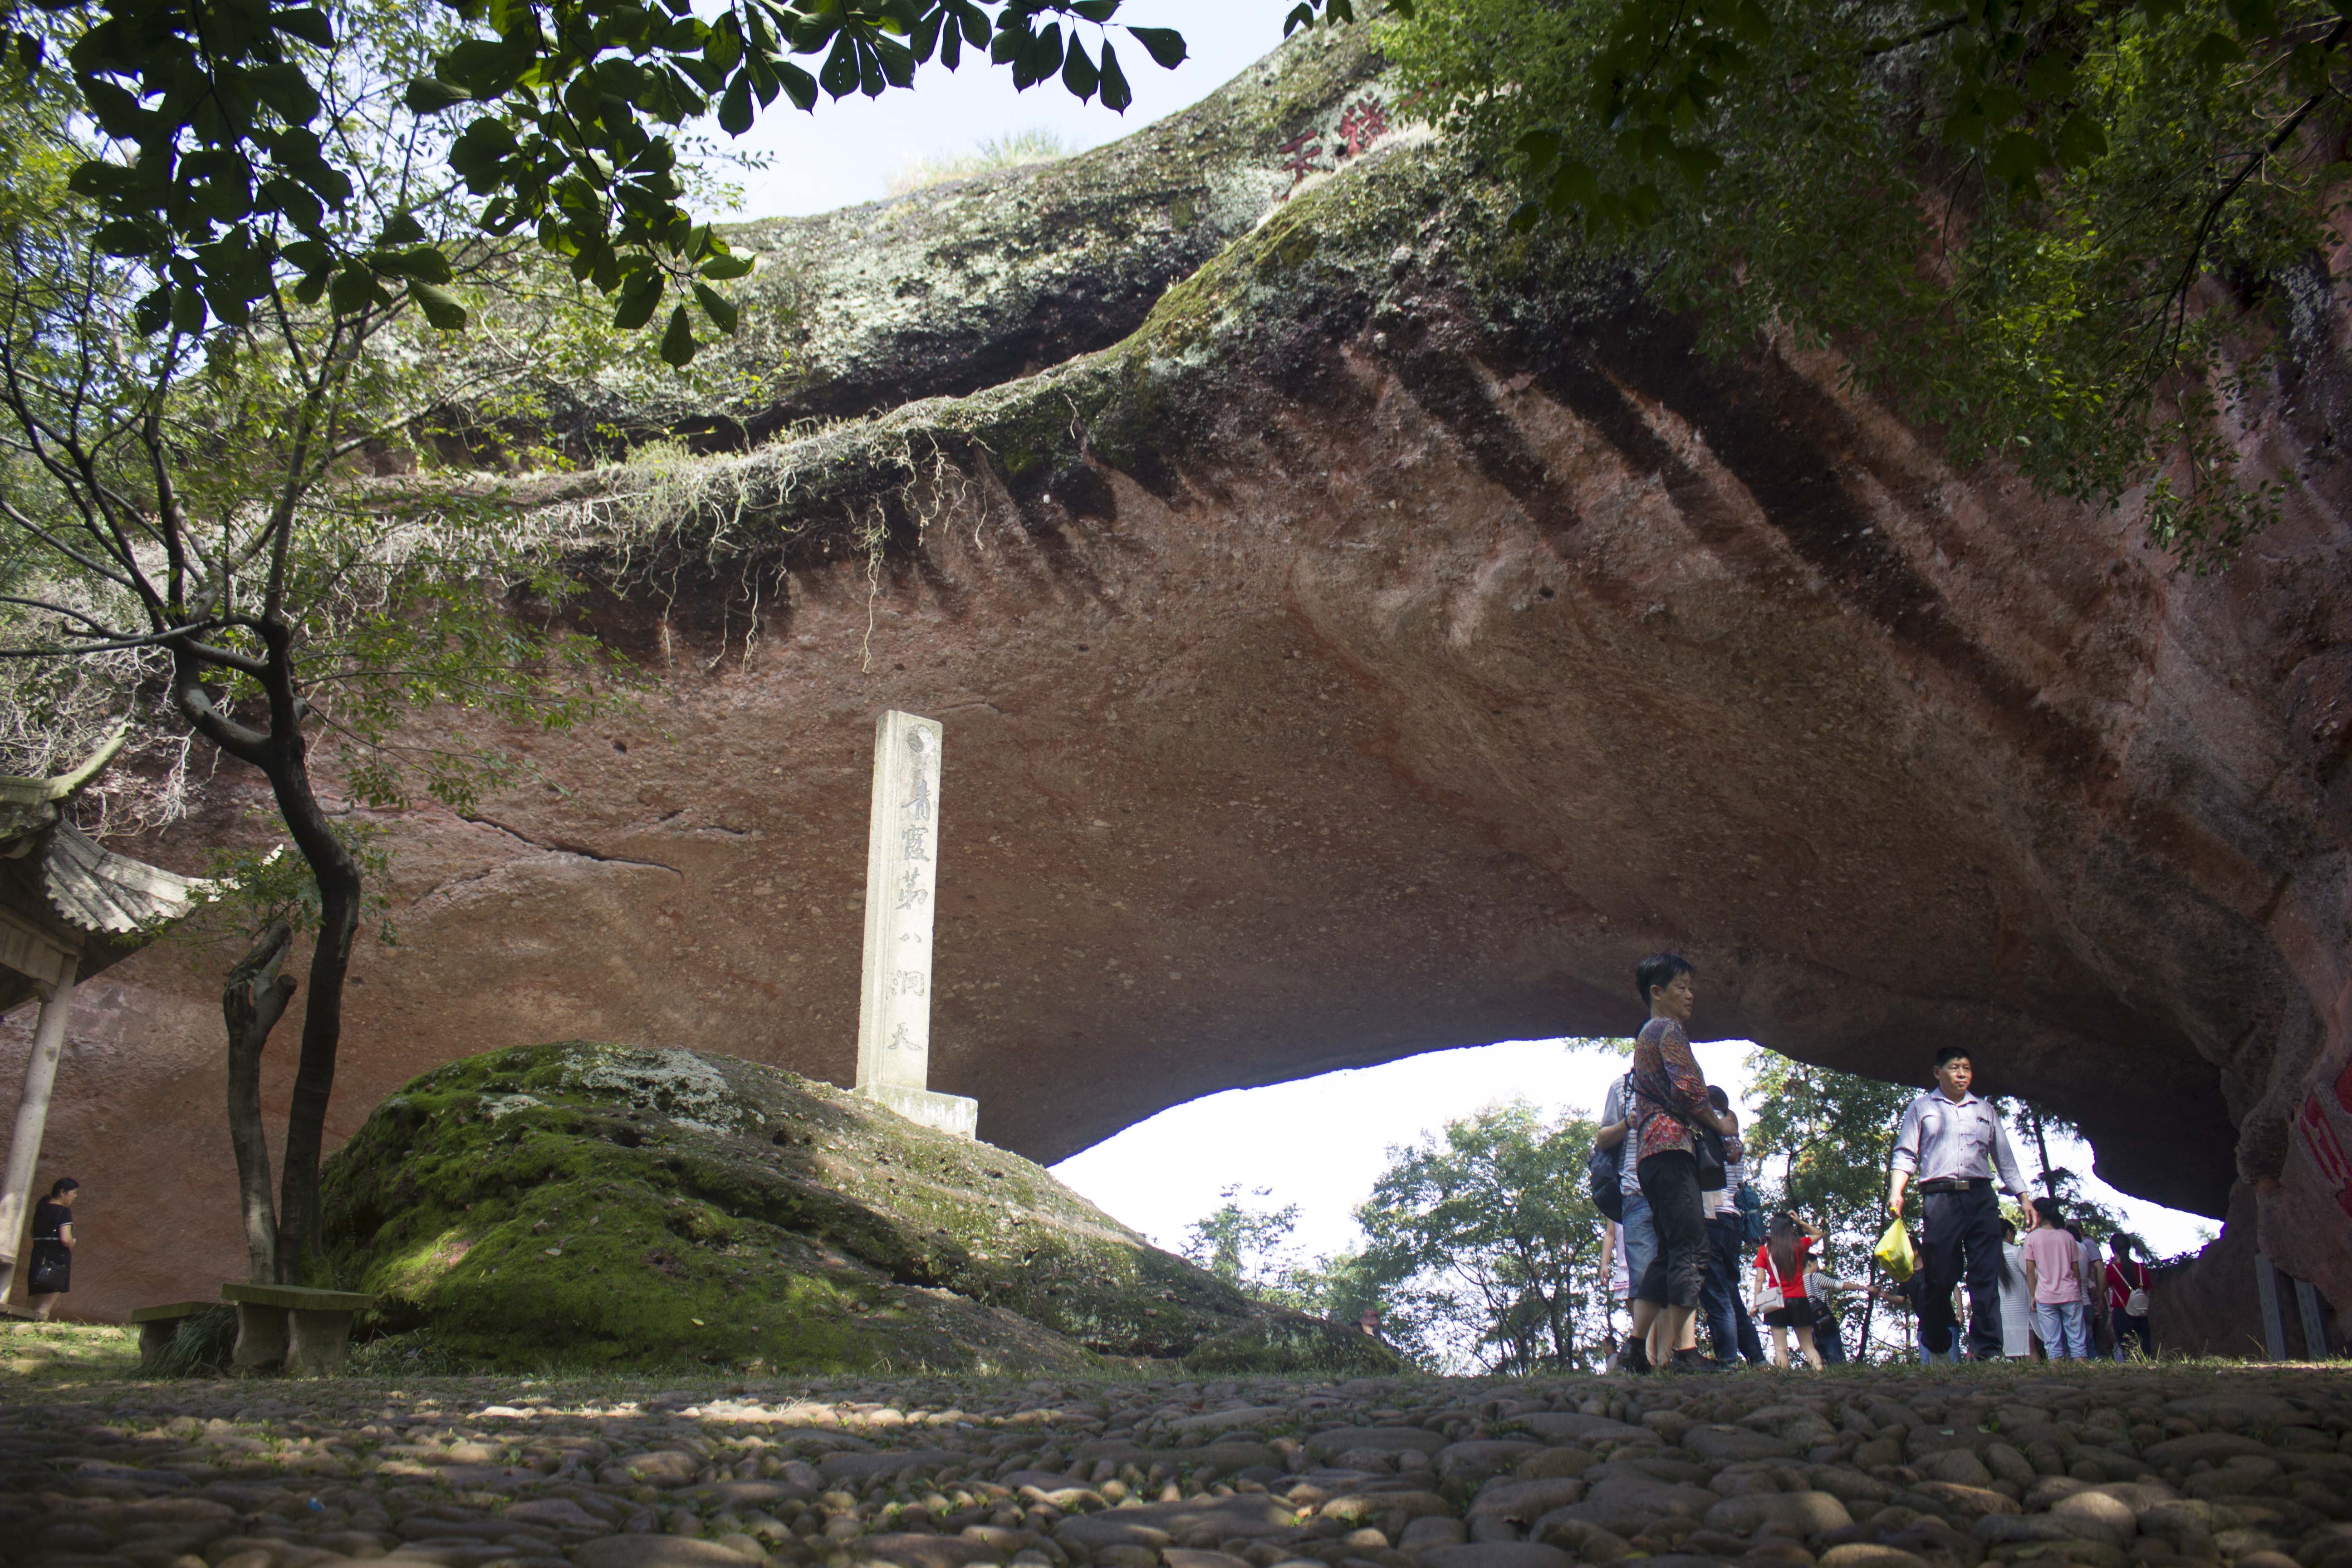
[(2030, 225)]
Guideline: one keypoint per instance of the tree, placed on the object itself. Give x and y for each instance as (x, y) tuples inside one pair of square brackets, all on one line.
[(217, 170), (1485, 1248), (180, 511), (2031, 227), (1251, 1249)]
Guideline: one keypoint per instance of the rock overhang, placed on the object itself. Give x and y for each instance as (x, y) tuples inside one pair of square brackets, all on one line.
[(1387, 641)]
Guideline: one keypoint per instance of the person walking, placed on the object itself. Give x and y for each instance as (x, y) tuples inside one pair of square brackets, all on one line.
[(2053, 1273), (1829, 1331), (1720, 1300), (1636, 1239), (1670, 1101), (2127, 1282), (1780, 1270), (2016, 1297), (1953, 1142), (2094, 1269), (52, 1243)]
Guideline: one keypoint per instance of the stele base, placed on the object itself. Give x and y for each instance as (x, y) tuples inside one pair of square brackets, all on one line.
[(947, 1112)]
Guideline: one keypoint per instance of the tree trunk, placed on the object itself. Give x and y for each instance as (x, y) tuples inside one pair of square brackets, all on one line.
[(33, 1117), (252, 1002), (300, 1241), (2042, 1144)]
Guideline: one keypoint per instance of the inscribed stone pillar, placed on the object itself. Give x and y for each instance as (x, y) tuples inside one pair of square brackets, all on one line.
[(893, 1020)]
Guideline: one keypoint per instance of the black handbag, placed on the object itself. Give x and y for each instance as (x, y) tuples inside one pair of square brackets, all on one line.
[(48, 1276), (1706, 1143)]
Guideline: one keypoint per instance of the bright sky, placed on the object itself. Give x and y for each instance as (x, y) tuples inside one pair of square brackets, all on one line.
[(1319, 1142), (845, 153)]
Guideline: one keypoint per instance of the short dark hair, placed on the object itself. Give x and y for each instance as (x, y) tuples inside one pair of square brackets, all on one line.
[(2009, 1228), (1717, 1098), (63, 1186), (1954, 1053), (2050, 1210), (1660, 968)]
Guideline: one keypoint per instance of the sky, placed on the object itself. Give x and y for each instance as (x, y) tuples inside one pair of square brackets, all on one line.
[(844, 152), (1319, 1142)]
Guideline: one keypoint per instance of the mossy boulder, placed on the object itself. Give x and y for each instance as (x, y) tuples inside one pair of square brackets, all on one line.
[(601, 1205), (1292, 1344)]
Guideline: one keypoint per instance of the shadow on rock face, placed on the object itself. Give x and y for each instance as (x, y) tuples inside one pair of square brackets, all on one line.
[(583, 1205)]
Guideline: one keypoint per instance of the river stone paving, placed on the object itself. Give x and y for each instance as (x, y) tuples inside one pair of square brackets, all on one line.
[(1861, 1469)]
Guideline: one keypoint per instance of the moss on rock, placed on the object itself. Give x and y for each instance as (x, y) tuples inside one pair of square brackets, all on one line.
[(588, 1205)]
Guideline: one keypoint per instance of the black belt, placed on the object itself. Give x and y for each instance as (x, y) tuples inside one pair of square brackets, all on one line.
[(1954, 1184)]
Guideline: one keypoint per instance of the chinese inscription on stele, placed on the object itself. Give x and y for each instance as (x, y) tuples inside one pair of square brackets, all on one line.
[(902, 862)]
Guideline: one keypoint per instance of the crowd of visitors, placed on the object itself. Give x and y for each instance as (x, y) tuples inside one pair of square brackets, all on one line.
[(1685, 1224)]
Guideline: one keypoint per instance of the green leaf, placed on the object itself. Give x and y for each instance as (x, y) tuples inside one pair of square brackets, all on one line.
[(677, 345), (724, 268), (2051, 77), (1301, 16), (638, 301), (1166, 45), (429, 95), (799, 86), (2017, 158), (440, 306), (353, 291), (307, 23), (2080, 141), (1576, 186), (717, 306), (1078, 73), (1540, 147), (1116, 94), (838, 75), (2215, 51), (2254, 18), (735, 105)]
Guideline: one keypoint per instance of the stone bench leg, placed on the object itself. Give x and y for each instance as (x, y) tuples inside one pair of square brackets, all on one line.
[(317, 1343), (154, 1338), (260, 1336)]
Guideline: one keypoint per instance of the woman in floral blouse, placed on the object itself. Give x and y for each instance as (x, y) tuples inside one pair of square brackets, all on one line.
[(1670, 1095)]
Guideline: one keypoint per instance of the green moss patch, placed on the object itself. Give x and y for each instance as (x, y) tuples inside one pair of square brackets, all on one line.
[(591, 1205)]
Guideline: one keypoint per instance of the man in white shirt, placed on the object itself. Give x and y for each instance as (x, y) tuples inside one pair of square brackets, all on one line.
[(1953, 1142)]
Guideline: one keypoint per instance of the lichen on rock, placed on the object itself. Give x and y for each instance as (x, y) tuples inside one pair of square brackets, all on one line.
[(594, 1204)]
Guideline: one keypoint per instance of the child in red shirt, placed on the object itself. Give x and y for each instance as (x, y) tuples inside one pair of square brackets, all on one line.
[(1781, 1263)]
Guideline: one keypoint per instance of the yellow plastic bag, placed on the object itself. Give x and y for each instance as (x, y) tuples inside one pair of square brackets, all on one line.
[(1893, 1251)]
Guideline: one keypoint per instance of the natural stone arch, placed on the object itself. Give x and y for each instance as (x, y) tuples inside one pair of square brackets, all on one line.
[(1377, 648)]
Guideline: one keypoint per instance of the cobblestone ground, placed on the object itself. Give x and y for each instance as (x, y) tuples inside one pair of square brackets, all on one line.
[(1857, 1468)]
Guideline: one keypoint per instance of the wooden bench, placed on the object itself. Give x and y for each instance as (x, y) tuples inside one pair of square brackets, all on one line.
[(308, 1331), (159, 1326)]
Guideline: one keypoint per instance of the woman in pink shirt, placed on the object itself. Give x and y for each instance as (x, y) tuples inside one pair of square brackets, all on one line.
[(2054, 1273)]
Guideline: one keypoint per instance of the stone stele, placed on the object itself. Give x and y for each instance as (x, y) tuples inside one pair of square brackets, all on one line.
[(893, 1020)]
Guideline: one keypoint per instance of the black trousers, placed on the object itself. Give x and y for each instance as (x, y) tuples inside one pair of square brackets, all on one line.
[(1963, 1242), (1677, 1274)]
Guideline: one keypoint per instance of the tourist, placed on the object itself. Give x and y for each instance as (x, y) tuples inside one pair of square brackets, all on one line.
[(1822, 1291), (53, 1243), (1952, 1141), (1781, 1265), (1635, 1239), (1670, 1101), (1727, 1323), (2094, 1269), (2016, 1297), (2127, 1282), (2053, 1275)]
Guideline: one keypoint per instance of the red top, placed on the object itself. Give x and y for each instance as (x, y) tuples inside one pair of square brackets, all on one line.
[(2120, 1285), (1793, 1286)]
